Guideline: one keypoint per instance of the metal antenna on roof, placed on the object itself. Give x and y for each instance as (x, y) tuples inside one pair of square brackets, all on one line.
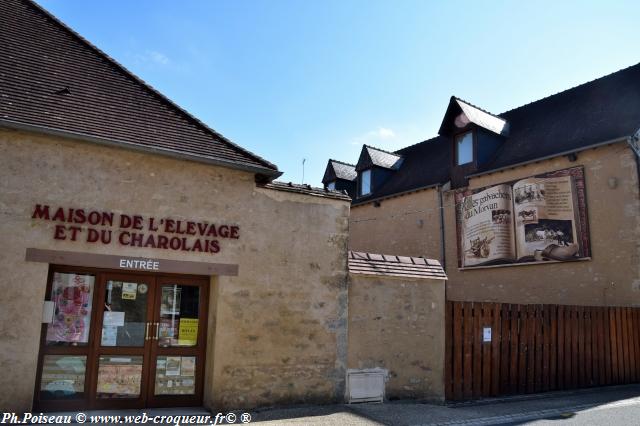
[(303, 161)]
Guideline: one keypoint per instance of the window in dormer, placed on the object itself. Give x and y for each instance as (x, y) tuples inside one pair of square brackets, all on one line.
[(331, 185), (464, 148), (365, 182)]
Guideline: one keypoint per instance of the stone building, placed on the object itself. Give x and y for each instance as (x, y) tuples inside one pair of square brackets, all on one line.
[(147, 260), (537, 207)]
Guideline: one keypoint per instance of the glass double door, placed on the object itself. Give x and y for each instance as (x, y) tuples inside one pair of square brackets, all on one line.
[(122, 341)]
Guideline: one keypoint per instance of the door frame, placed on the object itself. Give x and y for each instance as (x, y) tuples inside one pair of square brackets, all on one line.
[(93, 348), (199, 350)]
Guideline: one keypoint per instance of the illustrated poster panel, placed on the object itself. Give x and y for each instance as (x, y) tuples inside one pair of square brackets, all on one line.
[(541, 218)]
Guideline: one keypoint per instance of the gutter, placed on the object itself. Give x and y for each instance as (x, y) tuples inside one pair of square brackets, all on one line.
[(395, 194), (547, 157), (15, 125)]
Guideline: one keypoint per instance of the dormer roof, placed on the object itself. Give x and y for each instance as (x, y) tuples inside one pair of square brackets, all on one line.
[(602, 111), (339, 170), (370, 157), (460, 113)]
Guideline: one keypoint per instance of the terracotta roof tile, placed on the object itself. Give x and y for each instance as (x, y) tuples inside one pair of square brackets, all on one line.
[(54, 80), (396, 266), (306, 189)]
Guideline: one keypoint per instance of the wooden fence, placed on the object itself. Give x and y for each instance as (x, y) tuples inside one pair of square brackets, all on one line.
[(538, 348)]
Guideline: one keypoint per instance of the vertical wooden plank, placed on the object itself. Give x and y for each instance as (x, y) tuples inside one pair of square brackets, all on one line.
[(505, 345), (553, 348), (531, 352), (468, 351), (588, 362), (636, 340), (458, 350), (496, 341), (487, 321), (448, 355), (514, 333), (596, 345), (619, 340), (477, 350), (546, 346), (636, 336), (581, 349), (537, 378), (522, 355), (561, 345), (632, 348), (602, 366), (606, 348), (568, 353), (613, 333), (575, 338), (624, 346), (606, 324), (602, 351)]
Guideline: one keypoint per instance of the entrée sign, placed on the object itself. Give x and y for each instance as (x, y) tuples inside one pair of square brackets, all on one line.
[(100, 227)]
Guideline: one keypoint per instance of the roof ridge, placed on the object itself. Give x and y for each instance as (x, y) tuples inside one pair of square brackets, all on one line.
[(342, 162), (145, 85), (477, 107), (500, 116), (418, 143), (567, 90), (381, 150)]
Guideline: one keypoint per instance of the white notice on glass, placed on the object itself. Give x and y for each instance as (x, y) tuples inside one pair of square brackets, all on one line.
[(112, 318), (486, 334), (109, 336)]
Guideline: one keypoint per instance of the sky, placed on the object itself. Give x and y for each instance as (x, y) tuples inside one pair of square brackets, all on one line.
[(300, 79)]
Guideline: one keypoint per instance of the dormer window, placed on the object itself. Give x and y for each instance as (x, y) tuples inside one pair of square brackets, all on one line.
[(464, 148), (365, 182), (331, 186)]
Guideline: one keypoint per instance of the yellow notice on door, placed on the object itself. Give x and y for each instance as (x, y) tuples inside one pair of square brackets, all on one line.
[(188, 332), (129, 291)]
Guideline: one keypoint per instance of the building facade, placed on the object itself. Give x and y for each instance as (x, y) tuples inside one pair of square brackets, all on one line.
[(147, 260), (536, 207)]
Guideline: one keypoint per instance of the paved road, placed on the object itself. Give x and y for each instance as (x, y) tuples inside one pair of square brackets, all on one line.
[(608, 406), (611, 406)]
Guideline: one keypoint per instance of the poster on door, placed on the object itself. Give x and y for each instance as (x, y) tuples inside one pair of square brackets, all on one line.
[(119, 379), (71, 295)]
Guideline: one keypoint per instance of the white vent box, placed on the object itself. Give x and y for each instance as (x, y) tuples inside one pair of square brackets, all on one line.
[(366, 385)]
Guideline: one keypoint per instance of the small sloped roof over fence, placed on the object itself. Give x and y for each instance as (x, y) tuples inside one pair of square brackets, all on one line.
[(395, 266)]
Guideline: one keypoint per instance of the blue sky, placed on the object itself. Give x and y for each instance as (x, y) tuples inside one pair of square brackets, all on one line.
[(316, 79)]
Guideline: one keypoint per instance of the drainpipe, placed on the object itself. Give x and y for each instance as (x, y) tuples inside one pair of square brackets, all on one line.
[(442, 247), (634, 144)]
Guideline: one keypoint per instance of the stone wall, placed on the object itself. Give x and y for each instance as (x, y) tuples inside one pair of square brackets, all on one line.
[(277, 331), (407, 225), (398, 324)]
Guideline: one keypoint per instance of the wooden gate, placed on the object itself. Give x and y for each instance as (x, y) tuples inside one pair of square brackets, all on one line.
[(538, 348)]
